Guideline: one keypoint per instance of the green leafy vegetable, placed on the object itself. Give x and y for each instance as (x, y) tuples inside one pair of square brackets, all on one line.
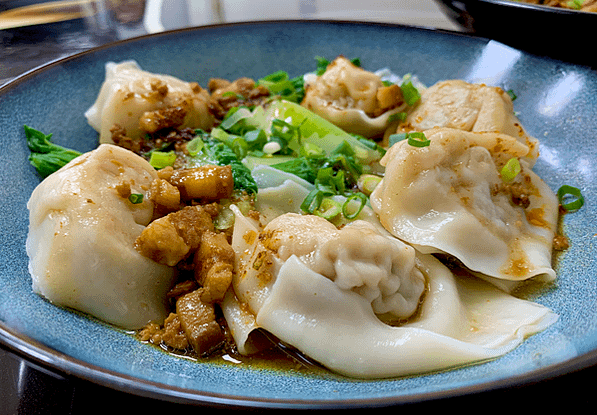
[(511, 94), (571, 198), (280, 84), (216, 152), (575, 4), (319, 131), (46, 156), (399, 116), (410, 92), (322, 64)]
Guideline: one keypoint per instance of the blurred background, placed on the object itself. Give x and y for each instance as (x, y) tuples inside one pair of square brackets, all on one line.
[(33, 33)]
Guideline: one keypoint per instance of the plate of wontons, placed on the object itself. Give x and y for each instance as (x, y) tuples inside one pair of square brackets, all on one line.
[(344, 215)]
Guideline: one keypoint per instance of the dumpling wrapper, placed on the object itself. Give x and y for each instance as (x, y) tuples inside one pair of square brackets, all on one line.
[(462, 320), (279, 192), (470, 107), (446, 198), (346, 95), (81, 240), (128, 92)]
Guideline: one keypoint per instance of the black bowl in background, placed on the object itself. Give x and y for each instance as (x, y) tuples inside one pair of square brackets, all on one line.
[(547, 31)]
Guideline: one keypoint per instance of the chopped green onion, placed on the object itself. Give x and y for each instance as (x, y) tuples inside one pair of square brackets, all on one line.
[(313, 201), (417, 139), (347, 206), (510, 170), (571, 199), (367, 183), (194, 146), (328, 209), (234, 116), (136, 198), (161, 159)]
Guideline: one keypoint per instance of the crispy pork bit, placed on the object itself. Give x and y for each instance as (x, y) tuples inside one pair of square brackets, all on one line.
[(226, 95), (388, 97), (214, 264), (152, 121), (208, 183), (165, 194), (198, 320), (170, 239), (172, 335)]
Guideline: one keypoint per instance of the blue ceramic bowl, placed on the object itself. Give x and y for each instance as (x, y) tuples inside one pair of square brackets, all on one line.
[(556, 103)]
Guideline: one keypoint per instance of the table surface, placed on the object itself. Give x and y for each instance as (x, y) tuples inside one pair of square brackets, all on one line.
[(26, 388), (24, 48)]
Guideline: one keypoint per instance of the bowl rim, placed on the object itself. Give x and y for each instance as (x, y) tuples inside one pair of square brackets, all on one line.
[(56, 361)]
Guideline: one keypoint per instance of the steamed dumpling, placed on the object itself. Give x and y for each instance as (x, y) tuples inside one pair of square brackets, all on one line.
[(459, 320), (353, 99), (81, 239), (470, 107), (449, 197), (136, 102), (382, 271)]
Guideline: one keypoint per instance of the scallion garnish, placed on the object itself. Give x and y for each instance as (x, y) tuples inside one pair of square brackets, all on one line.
[(348, 209), (418, 139), (328, 209), (194, 146), (234, 116), (570, 198), (136, 198), (367, 183), (510, 170), (313, 201), (415, 139), (161, 159)]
